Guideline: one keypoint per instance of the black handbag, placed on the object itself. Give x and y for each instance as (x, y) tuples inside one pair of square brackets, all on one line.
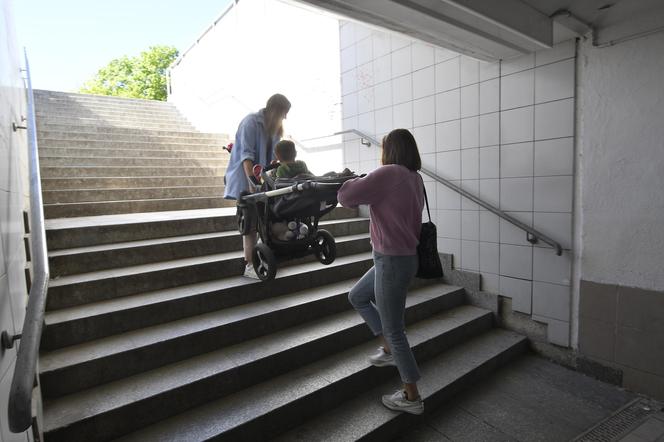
[(427, 250)]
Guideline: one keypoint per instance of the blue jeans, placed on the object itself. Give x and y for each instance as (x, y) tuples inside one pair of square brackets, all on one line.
[(380, 298)]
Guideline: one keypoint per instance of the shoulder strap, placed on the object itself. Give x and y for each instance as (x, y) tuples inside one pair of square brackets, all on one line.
[(426, 200)]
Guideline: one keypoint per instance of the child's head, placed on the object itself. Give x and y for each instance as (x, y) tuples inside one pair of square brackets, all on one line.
[(285, 151)]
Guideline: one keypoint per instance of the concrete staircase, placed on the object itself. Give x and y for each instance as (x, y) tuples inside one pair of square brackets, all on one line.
[(152, 334), (104, 155)]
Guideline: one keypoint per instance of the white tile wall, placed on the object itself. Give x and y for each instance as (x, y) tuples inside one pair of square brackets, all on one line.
[(516, 261), (448, 135), (448, 106), (489, 129), (401, 62), (424, 111), (423, 82), (423, 56), (489, 96), (14, 193), (520, 291), (447, 75), (470, 132), (517, 90), (470, 255), (470, 225), (516, 194), (470, 100), (516, 125), (554, 157), (516, 160), (554, 81), (554, 119), (489, 161), (402, 89), (551, 300), (503, 131)]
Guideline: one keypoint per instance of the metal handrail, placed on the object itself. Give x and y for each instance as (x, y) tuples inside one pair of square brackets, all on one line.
[(533, 236), (20, 394)]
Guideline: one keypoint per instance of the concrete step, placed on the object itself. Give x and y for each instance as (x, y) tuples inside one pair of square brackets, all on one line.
[(227, 371), (239, 296), (194, 145), (75, 325), (147, 122), (130, 194), (43, 96), (263, 411), (76, 110), (85, 117), (183, 137), (47, 152), (46, 161), (72, 233), (126, 172), (107, 256), (69, 210), (68, 291), (364, 417), (120, 183), (44, 130), (89, 117)]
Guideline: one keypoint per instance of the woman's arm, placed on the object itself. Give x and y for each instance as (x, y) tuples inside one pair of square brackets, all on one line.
[(248, 136), (365, 190)]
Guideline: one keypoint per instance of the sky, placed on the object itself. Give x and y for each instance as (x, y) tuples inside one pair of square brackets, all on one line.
[(68, 41)]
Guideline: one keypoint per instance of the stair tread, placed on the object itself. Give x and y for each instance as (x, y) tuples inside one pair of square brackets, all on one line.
[(139, 243), (366, 412), (136, 218), (358, 415), (119, 272), (62, 357), (167, 240), (119, 393), (153, 297), (136, 201), (120, 189), (146, 217)]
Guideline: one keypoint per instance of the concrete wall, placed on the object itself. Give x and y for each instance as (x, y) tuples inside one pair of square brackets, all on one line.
[(621, 198), (13, 201), (503, 131), (258, 48)]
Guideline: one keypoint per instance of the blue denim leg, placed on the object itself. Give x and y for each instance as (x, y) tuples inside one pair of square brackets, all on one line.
[(393, 275), (362, 298)]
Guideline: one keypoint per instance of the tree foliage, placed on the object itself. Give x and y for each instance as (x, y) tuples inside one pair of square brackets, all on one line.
[(143, 76)]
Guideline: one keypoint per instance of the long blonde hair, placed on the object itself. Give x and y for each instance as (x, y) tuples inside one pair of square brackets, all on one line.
[(276, 108)]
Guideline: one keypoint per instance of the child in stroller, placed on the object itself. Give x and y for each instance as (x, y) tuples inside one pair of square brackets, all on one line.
[(285, 214)]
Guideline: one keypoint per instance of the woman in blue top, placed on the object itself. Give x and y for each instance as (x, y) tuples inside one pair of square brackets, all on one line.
[(255, 139)]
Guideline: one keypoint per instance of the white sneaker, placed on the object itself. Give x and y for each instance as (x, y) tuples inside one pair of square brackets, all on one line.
[(249, 272), (382, 358), (399, 402)]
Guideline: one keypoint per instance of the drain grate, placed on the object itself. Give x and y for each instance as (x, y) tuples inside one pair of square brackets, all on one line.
[(619, 423)]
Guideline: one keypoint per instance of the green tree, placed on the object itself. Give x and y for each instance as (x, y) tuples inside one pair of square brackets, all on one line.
[(143, 76)]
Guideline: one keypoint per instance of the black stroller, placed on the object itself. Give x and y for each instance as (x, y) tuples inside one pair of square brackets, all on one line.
[(293, 202)]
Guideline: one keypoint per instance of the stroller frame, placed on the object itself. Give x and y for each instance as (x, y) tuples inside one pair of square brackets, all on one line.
[(254, 211)]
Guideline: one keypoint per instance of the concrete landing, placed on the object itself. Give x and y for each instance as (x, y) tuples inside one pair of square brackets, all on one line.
[(530, 400)]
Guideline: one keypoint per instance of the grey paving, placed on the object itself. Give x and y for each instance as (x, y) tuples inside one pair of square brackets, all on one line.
[(532, 399)]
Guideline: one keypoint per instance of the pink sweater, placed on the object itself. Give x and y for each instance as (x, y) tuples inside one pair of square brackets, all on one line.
[(395, 198)]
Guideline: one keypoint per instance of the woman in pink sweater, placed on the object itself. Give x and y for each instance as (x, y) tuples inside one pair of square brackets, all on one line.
[(395, 195)]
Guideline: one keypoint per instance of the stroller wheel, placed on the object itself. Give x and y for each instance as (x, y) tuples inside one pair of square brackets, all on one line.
[(265, 263), (325, 247)]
